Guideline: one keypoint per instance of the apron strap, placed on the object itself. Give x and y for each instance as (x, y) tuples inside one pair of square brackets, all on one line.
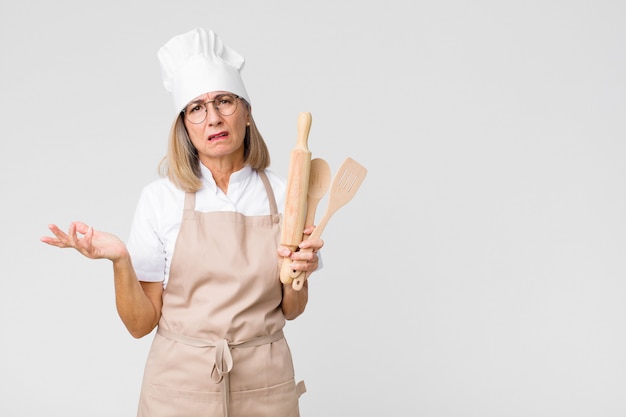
[(190, 198), (190, 201), (195, 342), (270, 196), (300, 388)]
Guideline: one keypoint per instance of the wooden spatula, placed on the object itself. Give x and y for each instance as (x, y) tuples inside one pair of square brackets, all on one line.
[(319, 181), (345, 184)]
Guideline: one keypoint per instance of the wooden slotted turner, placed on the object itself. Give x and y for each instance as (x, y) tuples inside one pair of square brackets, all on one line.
[(345, 184)]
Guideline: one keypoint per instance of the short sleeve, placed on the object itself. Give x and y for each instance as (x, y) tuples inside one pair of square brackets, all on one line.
[(145, 245)]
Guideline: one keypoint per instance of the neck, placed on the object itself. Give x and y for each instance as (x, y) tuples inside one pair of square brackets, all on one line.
[(221, 171)]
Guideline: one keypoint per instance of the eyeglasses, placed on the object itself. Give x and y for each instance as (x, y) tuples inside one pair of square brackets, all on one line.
[(225, 104)]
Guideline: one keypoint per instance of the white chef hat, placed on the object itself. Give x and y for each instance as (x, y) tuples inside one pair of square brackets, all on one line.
[(198, 62)]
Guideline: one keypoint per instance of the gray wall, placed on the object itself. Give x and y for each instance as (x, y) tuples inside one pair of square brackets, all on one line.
[(479, 271)]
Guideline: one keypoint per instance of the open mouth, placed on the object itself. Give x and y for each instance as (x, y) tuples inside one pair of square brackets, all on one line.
[(218, 135)]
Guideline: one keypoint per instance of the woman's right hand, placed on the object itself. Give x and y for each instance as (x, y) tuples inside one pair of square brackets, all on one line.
[(91, 243)]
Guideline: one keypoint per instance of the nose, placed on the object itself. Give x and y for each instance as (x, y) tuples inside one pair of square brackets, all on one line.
[(213, 117)]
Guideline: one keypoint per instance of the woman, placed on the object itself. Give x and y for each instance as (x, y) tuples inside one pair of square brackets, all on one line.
[(203, 257)]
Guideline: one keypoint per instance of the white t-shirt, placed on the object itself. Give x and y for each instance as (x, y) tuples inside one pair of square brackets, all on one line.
[(160, 209)]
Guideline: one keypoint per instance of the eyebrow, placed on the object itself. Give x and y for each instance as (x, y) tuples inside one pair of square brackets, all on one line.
[(202, 101)]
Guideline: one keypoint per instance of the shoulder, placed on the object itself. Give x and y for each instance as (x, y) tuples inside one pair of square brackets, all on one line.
[(277, 181), (279, 186), (159, 195), (161, 188)]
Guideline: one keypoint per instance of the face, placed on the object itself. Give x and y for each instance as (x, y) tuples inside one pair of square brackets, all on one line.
[(218, 138)]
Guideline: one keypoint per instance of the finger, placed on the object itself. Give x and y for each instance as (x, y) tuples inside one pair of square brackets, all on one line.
[(81, 227), (56, 231), (304, 266), (314, 244), (283, 251), (89, 235), (86, 247), (53, 242), (304, 255), (71, 234), (62, 240), (308, 263)]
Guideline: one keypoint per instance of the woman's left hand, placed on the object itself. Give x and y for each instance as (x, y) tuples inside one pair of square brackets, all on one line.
[(305, 259)]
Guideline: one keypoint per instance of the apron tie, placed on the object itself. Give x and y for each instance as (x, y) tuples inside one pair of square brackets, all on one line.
[(223, 361), (220, 374), (221, 370)]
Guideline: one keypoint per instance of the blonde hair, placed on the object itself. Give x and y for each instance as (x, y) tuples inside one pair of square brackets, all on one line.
[(181, 164)]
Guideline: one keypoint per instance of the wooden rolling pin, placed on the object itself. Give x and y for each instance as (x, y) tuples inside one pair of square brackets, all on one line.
[(294, 214)]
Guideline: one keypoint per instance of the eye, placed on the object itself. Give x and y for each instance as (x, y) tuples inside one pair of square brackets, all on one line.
[(225, 100), (194, 109)]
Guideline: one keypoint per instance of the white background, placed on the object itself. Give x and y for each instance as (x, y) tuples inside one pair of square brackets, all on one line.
[(479, 271)]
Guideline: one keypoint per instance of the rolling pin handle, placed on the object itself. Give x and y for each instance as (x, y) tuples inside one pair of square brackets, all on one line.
[(285, 271)]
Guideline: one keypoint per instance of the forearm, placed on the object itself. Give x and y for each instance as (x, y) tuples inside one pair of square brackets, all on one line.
[(137, 311), (294, 302)]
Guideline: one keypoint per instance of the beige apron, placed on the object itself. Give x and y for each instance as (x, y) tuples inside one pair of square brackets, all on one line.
[(219, 348)]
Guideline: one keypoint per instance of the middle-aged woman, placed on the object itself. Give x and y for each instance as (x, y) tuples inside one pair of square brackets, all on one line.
[(203, 257)]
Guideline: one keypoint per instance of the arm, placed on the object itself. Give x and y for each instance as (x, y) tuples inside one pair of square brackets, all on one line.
[(294, 302), (138, 304)]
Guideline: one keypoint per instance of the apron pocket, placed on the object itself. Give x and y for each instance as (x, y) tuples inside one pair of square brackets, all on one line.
[(278, 400), (169, 402)]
